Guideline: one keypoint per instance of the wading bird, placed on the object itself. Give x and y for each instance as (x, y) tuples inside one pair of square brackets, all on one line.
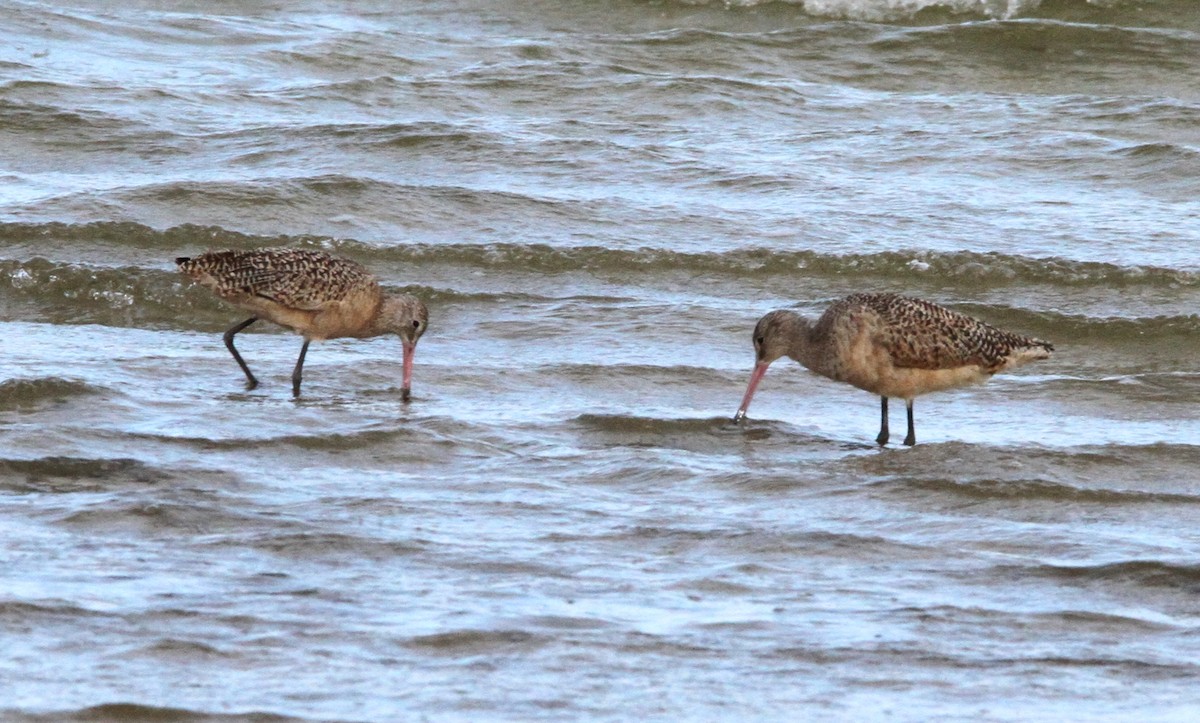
[(890, 345), (315, 294)]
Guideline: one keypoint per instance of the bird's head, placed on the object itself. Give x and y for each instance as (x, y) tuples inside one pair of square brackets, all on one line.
[(773, 337), (408, 317)]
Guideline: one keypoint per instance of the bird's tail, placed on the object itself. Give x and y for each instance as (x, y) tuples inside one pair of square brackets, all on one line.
[(1036, 349), (1040, 349)]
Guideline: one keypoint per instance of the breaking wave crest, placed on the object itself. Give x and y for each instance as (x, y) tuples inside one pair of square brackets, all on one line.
[(902, 10), (962, 266), (147, 291)]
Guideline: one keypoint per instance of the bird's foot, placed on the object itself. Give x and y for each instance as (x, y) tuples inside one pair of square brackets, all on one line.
[(911, 439), (882, 439)]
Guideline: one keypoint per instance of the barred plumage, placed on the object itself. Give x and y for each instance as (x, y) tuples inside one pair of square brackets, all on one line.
[(920, 334), (297, 278), (894, 346), (317, 295)]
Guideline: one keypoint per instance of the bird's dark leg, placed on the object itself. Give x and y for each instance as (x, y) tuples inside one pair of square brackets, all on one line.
[(911, 439), (298, 369), (882, 439), (251, 382)]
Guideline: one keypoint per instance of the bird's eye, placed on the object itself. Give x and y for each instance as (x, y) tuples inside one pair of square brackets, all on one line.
[(760, 340), (416, 323)]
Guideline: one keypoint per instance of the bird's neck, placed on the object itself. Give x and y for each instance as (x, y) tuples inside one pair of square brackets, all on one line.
[(802, 342), (384, 320)]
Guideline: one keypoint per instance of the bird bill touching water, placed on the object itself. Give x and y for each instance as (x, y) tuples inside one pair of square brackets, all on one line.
[(315, 294), (893, 346)]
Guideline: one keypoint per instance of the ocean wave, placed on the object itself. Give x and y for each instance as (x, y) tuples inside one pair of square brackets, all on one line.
[(970, 267), (635, 425), (1142, 573), (1165, 165), (1096, 11), (151, 519), (139, 713), (1076, 619), (127, 234), (51, 120), (1054, 42), (324, 441), (66, 474), (478, 642), (699, 434), (79, 294), (274, 200), (323, 545), (40, 290), (1153, 389), (36, 391), (77, 474), (20, 116), (1036, 489), (1056, 464), (23, 612), (184, 651), (1078, 330)]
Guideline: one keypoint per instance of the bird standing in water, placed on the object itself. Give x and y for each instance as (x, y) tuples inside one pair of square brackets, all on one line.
[(315, 294), (893, 346)]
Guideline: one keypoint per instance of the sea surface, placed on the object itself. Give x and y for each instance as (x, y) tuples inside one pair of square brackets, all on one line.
[(597, 200)]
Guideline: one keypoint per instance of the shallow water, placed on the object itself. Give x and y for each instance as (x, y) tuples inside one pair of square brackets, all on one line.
[(597, 201)]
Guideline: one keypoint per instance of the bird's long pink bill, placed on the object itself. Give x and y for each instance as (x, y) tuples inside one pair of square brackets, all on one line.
[(755, 377), (406, 384)]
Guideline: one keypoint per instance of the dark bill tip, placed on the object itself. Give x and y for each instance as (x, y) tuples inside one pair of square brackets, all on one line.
[(741, 414), (405, 394)]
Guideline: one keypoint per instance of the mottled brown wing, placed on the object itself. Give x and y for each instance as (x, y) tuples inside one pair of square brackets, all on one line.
[(296, 278), (922, 335)]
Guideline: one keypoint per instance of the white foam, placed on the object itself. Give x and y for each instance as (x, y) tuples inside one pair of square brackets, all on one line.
[(890, 10)]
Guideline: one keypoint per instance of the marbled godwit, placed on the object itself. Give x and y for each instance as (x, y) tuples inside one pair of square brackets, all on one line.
[(317, 295), (890, 345)]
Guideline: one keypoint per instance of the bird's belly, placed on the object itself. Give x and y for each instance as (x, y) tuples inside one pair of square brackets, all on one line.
[(332, 322), (906, 383), (298, 320), (870, 368)]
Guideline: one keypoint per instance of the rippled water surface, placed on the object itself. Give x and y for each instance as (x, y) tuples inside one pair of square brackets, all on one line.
[(597, 200)]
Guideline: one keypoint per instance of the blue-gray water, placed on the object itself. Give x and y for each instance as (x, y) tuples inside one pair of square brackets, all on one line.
[(597, 200)]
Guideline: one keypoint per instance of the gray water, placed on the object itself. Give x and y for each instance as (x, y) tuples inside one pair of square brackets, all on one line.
[(597, 200)]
